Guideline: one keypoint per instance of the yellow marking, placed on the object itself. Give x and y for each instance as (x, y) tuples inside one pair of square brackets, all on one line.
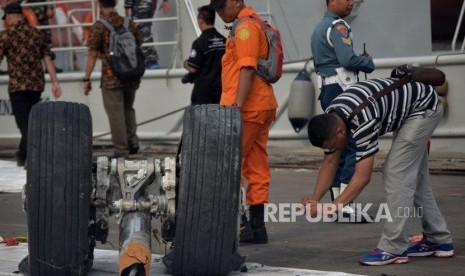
[(347, 41), (243, 34)]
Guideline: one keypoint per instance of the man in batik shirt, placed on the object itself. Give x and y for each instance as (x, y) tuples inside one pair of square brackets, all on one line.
[(24, 48)]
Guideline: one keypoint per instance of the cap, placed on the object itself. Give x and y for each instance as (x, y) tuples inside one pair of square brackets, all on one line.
[(217, 4), (11, 8)]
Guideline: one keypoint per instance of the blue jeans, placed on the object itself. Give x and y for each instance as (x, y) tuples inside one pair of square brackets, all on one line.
[(347, 163)]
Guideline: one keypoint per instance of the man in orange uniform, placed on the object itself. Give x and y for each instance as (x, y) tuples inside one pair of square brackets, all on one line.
[(255, 98)]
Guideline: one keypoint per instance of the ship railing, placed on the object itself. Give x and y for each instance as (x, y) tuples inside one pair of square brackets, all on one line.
[(64, 43), (457, 30)]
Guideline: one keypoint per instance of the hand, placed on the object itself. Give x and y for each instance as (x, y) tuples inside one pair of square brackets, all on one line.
[(366, 55), (56, 90), (50, 12), (308, 199), (165, 7), (310, 202), (187, 78), (87, 87), (314, 208), (236, 105)]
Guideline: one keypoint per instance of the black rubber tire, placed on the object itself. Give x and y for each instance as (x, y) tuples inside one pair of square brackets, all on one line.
[(59, 186), (208, 198)]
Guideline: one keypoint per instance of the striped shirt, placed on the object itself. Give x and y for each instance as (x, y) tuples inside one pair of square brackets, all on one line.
[(385, 115)]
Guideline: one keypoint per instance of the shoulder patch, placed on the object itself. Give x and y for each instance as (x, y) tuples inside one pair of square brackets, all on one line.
[(193, 53), (243, 34), (343, 30)]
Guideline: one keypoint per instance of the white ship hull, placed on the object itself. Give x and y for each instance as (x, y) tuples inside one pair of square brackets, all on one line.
[(162, 92)]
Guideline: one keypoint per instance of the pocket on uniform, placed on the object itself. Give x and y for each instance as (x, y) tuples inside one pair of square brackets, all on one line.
[(345, 78)]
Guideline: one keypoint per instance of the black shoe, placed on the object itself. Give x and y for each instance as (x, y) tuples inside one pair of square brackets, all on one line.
[(21, 162), (260, 236), (167, 260), (257, 226), (20, 159), (23, 266), (133, 150), (117, 155), (246, 233)]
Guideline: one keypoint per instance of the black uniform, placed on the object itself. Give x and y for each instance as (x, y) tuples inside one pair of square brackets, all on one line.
[(205, 57)]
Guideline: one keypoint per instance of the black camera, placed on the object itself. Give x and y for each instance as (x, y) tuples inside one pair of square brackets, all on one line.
[(188, 78)]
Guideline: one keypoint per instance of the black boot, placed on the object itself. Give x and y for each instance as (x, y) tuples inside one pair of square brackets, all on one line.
[(257, 222), (246, 234), (23, 266)]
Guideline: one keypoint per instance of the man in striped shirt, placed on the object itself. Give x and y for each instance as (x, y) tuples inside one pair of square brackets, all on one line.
[(412, 112)]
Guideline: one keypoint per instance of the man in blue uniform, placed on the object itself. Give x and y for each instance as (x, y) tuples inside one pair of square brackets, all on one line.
[(337, 66)]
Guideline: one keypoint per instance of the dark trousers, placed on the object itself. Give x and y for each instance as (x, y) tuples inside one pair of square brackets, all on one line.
[(21, 103)]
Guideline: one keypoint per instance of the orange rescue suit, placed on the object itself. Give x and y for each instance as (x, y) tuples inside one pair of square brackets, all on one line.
[(259, 109)]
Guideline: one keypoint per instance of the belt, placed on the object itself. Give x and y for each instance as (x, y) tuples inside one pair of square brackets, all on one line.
[(330, 80)]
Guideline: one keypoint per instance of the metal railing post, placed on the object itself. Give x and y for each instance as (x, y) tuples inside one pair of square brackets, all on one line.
[(457, 29)]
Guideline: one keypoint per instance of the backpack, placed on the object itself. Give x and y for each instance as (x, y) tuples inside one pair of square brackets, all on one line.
[(405, 73), (425, 75), (126, 58), (270, 69)]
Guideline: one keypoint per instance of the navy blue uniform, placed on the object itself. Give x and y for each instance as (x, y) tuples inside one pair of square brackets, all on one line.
[(332, 48)]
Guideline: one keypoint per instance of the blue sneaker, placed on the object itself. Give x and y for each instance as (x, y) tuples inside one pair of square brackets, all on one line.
[(152, 65), (380, 257), (426, 248)]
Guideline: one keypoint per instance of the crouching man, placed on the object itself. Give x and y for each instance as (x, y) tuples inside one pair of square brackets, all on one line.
[(412, 112)]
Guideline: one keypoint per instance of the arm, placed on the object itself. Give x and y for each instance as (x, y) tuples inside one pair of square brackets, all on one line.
[(136, 33), (325, 177), (323, 184), (246, 78), (56, 89), (50, 10), (326, 174), (189, 68), (127, 7), (196, 57), (359, 180), (247, 53), (91, 60), (343, 46)]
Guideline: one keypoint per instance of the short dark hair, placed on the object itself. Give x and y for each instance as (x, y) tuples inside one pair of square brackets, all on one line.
[(321, 128), (207, 14), (108, 3)]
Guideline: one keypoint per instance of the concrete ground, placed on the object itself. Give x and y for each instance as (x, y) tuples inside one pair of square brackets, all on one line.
[(325, 246)]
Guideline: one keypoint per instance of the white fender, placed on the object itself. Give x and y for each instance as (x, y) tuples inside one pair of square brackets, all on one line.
[(301, 100)]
